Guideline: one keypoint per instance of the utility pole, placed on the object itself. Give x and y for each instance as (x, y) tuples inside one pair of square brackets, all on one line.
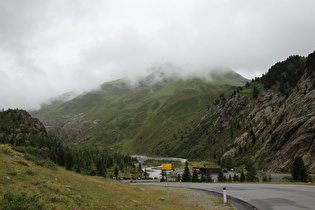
[(167, 173)]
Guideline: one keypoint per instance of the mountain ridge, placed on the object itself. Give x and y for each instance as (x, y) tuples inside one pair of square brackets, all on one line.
[(196, 118), (134, 106)]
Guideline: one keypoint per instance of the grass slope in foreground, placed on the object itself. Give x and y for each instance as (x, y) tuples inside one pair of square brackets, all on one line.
[(25, 185)]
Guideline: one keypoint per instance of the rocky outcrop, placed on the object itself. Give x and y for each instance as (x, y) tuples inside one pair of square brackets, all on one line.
[(293, 131), (18, 128), (281, 128)]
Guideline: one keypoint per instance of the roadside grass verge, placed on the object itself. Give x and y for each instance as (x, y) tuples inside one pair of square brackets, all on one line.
[(186, 198), (27, 185)]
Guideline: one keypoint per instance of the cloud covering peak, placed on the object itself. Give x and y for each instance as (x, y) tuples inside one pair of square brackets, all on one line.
[(52, 47)]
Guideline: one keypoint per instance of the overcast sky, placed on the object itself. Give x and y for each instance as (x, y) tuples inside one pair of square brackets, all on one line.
[(49, 47)]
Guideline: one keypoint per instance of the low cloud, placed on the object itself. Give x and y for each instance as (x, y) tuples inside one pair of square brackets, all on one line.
[(52, 47)]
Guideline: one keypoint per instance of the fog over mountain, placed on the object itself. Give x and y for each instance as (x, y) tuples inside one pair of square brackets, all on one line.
[(52, 47)]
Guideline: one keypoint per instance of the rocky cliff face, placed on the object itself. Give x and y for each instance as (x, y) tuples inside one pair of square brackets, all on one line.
[(292, 129), (278, 129)]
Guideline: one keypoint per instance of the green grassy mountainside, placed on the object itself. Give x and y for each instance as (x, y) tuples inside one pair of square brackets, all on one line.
[(140, 119), (269, 120)]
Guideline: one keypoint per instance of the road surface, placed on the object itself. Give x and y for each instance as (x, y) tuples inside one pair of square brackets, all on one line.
[(261, 196)]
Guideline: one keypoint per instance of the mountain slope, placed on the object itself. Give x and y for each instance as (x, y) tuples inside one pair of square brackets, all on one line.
[(273, 127), (135, 119), (270, 120)]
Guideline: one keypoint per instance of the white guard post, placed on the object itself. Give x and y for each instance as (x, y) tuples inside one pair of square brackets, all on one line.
[(224, 194)]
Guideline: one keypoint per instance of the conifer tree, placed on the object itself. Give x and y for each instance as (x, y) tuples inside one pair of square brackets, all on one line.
[(195, 176), (242, 178), (265, 179), (224, 179), (186, 174), (299, 170), (208, 176), (220, 176), (145, 174), (203, 177), (255, 92), (236, 178), (230, 178), (68, 159), (116, 172), (251, 171), (229, 163)]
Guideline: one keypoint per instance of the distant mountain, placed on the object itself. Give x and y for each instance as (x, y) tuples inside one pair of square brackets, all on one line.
[(139, 117), (220, 116), (63, 98)]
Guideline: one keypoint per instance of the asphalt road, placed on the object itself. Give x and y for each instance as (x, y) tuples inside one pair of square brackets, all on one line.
[(261, 196)]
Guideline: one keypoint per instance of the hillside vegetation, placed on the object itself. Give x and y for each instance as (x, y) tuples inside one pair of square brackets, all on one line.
[(30, 177), (142, 119), (28, 135), (27, 185), (269, 120)]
